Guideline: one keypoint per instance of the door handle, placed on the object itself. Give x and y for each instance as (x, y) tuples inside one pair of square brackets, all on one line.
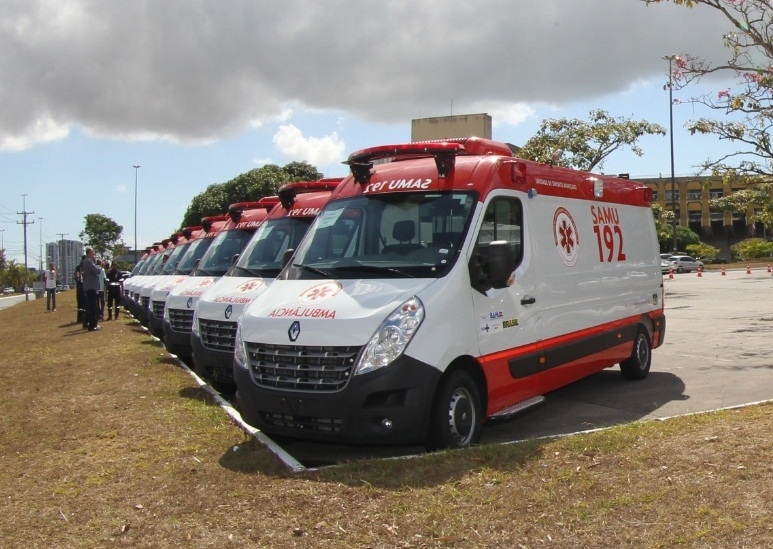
[(528, 300)]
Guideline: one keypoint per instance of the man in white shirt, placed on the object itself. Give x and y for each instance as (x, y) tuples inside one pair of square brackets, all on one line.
[(50, 276)]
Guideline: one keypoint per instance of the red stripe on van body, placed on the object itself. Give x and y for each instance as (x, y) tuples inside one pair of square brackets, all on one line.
[(516, 374)]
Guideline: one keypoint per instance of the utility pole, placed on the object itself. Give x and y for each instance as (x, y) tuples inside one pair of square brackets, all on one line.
[(24, 213), (42, 258), (136, 171), (61, 252)]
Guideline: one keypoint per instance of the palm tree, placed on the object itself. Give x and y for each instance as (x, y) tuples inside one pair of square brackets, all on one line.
[(16, 275)]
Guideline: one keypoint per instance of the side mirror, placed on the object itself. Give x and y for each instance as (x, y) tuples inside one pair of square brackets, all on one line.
[(491, 266), (501, 259), (234, 259)]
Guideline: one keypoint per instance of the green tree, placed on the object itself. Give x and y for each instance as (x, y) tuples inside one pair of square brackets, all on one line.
[(586, 145), (757, 199), (16, 275), (702, 250), (251, 185), (747, 106), (102, 234), (684, 237), (752, 248)]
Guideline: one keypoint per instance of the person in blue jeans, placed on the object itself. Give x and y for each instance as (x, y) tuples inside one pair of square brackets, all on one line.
[(91, 273)]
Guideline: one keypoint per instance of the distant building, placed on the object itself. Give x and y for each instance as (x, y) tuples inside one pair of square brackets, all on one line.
[(65, 255), (692, 198), (447, 127)]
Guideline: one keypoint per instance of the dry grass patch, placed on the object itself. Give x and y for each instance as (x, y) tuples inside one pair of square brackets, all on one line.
[(106, 442)]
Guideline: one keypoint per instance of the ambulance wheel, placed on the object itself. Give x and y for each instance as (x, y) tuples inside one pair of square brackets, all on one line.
[(638, 365), (456, 420)]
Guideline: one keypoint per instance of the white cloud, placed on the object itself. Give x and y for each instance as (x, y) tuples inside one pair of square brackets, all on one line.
[(262, 161), (191, 71), (317, 151), (41, 130)]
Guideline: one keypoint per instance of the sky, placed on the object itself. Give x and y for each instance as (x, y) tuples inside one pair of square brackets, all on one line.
[(196, 92)]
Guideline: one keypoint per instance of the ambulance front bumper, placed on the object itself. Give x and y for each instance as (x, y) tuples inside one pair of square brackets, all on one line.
[(389, 406)]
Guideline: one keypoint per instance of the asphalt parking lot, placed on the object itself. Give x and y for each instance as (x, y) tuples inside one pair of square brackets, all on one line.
[(716, 355)]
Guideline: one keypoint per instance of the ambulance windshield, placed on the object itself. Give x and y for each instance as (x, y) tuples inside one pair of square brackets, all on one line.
[(412, 235), (263, 255)]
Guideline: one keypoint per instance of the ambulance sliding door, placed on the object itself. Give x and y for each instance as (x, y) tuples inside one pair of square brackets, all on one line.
[(509, 317)]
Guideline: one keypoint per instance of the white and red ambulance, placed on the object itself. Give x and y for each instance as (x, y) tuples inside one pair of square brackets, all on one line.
[(244, 218), (447, 284), (197, 246), (219, 309)]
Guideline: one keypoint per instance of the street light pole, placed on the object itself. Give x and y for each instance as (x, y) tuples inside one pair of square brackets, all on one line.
[(136, 171), (671, 59)]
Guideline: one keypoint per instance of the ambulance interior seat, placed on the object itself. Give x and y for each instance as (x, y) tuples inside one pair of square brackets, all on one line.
[(403, 231)]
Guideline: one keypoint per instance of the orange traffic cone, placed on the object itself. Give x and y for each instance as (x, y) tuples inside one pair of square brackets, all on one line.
[(748, 269), (723, 271), (670, 272), (769, 268), (700, 272)]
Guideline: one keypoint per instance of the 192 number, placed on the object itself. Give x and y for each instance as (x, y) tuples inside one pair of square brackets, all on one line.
[(610, 240)]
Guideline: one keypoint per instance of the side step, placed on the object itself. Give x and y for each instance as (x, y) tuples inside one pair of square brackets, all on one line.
[(517, 408)]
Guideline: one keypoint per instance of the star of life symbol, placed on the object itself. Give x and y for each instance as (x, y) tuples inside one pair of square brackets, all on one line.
[(565, 237), (250, 285), (319, 293), (205, 282)]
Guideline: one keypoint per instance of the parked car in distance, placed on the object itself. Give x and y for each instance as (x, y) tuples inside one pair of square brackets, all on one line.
[(665, 266), (7, 290), (684, 263)]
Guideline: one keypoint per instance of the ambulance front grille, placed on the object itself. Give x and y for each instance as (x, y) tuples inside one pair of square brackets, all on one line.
[(303, 423), (181, 320), (158, 308), (299, 368), (218, 335), (145, 302)]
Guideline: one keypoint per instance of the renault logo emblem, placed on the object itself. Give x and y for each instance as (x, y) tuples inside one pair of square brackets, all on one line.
[(190, 302), (294, 331), (228, 311)]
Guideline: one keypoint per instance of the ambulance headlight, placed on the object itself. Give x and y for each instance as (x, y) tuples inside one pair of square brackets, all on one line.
[(240, 355), (392, 337)]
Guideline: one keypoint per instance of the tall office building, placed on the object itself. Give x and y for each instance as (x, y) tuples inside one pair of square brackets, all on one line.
[(65, 255)]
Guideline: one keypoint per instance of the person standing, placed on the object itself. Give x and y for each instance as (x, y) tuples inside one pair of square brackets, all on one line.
[(80, 298), (114, 290), (91, 273), (101, 293), (50, 276)]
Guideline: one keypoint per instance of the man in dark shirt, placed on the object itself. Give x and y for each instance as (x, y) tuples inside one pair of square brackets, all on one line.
[(114, 290), (91, 274)]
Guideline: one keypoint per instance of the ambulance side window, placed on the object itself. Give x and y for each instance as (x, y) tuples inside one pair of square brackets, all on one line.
[(503, 221)]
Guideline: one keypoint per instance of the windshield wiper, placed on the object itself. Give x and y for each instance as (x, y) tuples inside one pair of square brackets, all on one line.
[(375, 269), (314, 270), (250, 272)]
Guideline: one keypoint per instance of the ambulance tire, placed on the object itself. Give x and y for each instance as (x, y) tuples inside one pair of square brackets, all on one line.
[(456, 418), (638, 365)]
